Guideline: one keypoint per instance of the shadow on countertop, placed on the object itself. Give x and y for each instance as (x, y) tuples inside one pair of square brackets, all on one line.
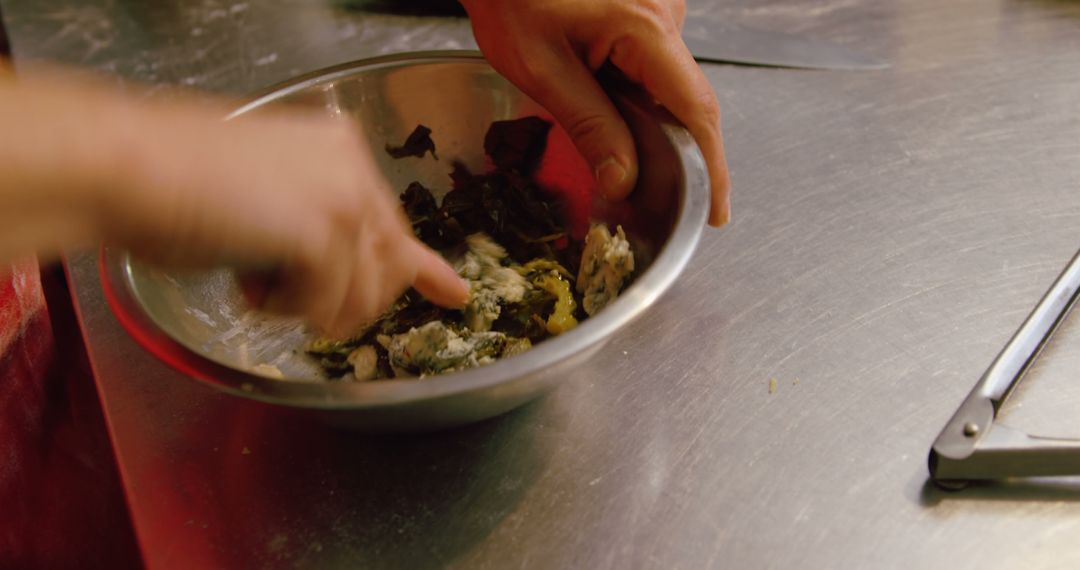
[(410, 8), (1039, 489)]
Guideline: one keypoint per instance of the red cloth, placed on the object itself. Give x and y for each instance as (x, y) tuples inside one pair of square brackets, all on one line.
[(61, 503)]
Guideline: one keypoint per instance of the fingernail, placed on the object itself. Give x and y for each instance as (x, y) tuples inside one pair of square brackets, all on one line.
[(610, 175), (720, 217), (466, 292)]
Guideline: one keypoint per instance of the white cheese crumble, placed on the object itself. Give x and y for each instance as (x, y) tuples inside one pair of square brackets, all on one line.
[(491, 284), (606, 264), (434, 348)]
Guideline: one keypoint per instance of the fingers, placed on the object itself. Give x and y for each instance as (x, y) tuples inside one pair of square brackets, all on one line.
[(436, 280), (564, 85), (678, 12), (374, 284), (256, 288), (668, 71), (377, 283), (366, 297), (341, 299)]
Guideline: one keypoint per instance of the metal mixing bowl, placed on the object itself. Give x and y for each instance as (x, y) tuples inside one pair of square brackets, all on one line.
[(198, 323)]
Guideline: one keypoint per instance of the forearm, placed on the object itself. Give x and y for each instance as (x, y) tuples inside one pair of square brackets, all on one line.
[(57, 164), (291, 190)]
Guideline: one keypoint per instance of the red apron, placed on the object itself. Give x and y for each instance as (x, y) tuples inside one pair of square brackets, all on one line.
[(61, 504)]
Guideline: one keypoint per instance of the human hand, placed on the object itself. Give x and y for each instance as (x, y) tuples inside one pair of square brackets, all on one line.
[(551, 50), (293, 200)]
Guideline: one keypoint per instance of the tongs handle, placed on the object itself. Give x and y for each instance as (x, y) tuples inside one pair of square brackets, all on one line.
[(968, 447), (1028, 342), (1007, 452)]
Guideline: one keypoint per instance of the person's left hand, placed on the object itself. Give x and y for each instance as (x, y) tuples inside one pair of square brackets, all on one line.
[(551, 50)]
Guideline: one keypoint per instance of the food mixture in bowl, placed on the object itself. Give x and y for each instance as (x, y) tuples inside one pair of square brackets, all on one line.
[(507, 237)]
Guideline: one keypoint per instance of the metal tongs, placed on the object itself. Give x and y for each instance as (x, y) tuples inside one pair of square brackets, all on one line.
[(972, 446)]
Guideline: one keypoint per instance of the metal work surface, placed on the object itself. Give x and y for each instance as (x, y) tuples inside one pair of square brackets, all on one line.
[(774, 410)]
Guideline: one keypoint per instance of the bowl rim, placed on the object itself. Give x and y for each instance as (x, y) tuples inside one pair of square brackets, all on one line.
[(670, 261)]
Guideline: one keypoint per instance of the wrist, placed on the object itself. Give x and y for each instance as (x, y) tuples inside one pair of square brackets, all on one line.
[(130, 166), (118, 166)]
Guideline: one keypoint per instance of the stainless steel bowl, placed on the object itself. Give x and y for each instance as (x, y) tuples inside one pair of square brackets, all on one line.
[(198, 323)]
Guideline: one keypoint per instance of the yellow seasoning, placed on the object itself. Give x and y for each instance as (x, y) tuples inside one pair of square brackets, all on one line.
[(772, 385)]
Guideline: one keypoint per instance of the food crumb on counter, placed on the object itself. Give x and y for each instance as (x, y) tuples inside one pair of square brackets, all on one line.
[(772, 385)]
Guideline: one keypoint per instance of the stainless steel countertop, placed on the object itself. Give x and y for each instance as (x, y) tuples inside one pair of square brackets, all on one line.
[(892, 229)]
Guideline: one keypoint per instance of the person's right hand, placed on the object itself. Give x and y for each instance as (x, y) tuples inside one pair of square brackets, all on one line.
[(551, 49), (293, 199)]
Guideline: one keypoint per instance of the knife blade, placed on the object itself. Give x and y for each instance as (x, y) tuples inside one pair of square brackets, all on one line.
[(749, 46)]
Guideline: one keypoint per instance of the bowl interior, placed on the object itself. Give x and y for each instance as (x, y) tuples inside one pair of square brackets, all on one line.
[(457, 98)]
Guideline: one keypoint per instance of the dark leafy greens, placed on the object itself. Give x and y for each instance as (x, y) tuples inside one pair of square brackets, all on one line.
[(417, 144)]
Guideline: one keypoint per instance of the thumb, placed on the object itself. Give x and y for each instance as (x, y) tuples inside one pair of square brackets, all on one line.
[(436, 280), (570, 92)]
